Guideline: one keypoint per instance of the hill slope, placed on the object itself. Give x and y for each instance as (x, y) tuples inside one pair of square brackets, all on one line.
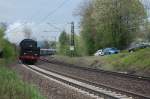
[(137, 62)]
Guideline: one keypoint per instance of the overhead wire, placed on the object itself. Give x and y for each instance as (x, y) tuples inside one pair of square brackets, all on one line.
[(57, 28), (54, 11), (48, 15)]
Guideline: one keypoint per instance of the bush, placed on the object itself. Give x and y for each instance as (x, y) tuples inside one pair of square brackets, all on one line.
[(8, 50)]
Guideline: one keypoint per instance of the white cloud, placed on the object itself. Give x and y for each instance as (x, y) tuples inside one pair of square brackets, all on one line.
[(14, 32)]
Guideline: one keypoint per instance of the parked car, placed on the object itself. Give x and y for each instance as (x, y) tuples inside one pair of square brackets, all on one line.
[(108, 51), (137, 47), (99, 53)]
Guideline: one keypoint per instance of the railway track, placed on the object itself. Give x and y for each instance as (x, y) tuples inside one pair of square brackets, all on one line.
[(102, 91), (98, 70)]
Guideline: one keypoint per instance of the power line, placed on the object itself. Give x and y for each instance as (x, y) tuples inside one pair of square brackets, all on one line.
[(49, 14), (55, 10), (54, 27)]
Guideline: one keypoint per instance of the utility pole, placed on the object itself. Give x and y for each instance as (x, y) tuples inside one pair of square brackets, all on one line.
[(72, 45)]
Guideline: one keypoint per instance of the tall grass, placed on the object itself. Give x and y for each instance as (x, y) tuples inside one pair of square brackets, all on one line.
[(12, 87)]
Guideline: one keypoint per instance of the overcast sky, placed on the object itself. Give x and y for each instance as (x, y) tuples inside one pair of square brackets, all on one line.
[(37, 13), (36, 10)]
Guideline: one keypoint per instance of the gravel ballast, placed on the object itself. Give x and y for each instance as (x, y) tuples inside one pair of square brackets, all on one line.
[(126, 84), (50, 89)]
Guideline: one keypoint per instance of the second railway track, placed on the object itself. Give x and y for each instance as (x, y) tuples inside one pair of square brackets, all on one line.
[(97, 70), (126, 82), (99, 90)]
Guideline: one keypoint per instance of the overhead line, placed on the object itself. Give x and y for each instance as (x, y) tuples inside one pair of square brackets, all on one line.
[(54, 11), (49, 14), (54, 26)]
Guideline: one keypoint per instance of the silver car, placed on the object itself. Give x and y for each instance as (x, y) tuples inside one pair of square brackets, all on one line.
[(99, 53)]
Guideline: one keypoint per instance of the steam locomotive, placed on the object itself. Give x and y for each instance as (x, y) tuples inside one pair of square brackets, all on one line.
[(29, 52)]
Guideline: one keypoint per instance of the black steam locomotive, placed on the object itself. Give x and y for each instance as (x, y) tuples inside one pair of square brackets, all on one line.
[(29, 52)]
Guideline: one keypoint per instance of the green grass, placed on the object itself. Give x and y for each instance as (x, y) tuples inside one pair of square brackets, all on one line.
[(12, 87), (137, 61)]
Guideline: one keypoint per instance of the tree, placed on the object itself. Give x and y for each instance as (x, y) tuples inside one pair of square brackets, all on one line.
[(147, 30), (7, 47), (46, 44), (111, 23), (80, 49), (64, 43), (3, 26), (88, 28), (52, 44), (1, 38)]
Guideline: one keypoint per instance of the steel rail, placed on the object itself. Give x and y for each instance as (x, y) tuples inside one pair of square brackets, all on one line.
[(103, 94), (98, 70), (107, 88)]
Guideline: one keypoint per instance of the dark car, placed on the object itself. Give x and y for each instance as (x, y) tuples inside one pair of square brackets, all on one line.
[(108, 51), (138, 46), (1, 53)]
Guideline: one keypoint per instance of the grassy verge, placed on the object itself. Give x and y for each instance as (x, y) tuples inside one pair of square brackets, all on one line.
[(138, 61), (12, 87)]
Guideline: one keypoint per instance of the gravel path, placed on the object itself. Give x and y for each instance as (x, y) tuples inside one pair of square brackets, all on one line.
[(141, 87)]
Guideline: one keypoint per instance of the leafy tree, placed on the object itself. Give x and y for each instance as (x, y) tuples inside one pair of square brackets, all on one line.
[(3, 26), (147, 30), (111, 23), (64, 43), (9, 50), (1, 37), (88, 28), (6, 46), (53, 44), (80, 49)]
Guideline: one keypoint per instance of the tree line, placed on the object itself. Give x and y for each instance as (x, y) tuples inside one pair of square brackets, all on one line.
[(109, 23)]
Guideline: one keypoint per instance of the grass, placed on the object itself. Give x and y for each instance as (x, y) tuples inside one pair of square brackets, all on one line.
[(138, 61), (12, 87)]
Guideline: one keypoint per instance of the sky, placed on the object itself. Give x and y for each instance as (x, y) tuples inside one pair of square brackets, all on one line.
[(46, 18)]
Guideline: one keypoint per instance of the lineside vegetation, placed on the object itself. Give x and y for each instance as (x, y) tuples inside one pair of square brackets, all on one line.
[(109, 23), (11, 85), (137, 62)]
